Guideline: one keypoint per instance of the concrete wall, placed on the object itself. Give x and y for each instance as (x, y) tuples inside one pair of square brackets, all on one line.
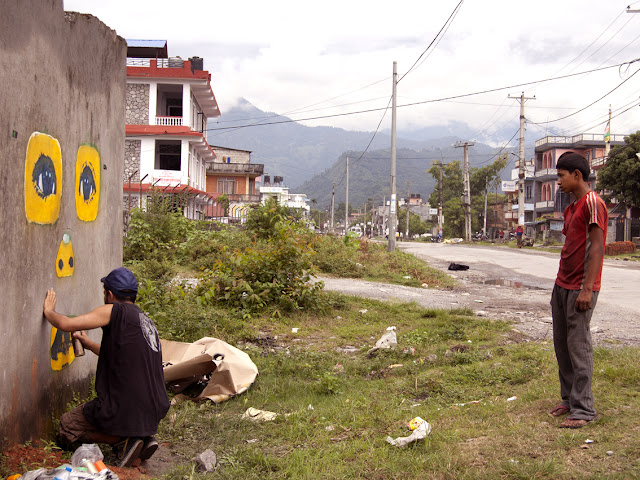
[(63, 86)]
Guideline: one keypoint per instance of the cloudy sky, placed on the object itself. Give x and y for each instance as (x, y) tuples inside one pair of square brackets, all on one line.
[(333, 58)]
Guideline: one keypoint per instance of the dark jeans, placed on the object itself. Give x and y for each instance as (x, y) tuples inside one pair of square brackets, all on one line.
[(572, 343)]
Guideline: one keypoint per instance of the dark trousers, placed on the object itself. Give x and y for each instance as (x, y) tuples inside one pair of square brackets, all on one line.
[(574, 352)]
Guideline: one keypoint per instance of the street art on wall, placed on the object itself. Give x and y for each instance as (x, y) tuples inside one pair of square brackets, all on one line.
[(61, 349), (65, 262), (42, 179), (87, 183)]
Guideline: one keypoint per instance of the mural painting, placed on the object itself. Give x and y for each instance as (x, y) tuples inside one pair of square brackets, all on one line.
[(87, 183), (61, 349), (65, 263), (42, 179)]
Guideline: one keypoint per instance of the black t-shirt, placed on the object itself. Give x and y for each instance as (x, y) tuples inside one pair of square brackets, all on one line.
[(129, 380)]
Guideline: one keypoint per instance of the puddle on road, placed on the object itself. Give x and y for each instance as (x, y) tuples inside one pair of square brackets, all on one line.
[(501, 282)]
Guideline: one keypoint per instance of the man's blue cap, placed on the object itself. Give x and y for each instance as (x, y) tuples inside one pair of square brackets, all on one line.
[(121, 281)]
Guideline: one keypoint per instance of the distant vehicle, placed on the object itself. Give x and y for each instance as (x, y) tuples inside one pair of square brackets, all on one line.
[(357, 230)]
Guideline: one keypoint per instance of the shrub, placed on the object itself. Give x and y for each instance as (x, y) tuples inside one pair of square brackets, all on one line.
[(274, 273)]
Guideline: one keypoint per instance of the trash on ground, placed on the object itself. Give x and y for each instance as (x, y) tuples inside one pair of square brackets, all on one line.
[(252, 440), (363, 311), (295, 329), (406, 277), (609, 452), (458, 266), (420, 433), (86, 451), (588, 440), (256, 415), (67, 472), (425, 285), (388, 340), (219, 371), (409, 350), (479, 301), (339, 368), (206, 461), (511, 399)]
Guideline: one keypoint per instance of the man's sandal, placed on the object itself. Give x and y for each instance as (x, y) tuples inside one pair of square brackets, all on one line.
[(559, 411)]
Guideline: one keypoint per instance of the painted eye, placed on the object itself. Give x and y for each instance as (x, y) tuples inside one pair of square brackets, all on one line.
[(87, 183), (64, 260), (42, 179)]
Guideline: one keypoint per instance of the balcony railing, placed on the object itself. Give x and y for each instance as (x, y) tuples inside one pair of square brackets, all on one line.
[(547, 172), (239, 168), (596, 162), (510, 215), (547, 204), (169, 121), (160, 62), (244, 198), (584, 137)]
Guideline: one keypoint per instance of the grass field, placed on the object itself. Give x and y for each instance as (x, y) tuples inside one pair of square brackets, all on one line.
[(335, 409)]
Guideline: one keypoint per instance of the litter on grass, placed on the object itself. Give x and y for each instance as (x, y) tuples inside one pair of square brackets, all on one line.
[(422, 429), (256, 415), (388, 340), (216, 370)]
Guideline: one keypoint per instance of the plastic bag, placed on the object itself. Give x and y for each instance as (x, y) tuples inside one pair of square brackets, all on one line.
[(89, 451), (419, 433)]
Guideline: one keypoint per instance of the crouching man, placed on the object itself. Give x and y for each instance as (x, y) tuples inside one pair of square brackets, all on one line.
[(131, 396)]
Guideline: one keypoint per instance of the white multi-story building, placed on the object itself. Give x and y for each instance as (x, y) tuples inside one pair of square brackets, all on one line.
[(168, 103)]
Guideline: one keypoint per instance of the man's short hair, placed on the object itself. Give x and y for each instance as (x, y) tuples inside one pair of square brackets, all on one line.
[(572, 161)]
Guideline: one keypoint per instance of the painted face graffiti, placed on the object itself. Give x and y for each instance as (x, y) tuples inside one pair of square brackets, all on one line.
[(64, 260)]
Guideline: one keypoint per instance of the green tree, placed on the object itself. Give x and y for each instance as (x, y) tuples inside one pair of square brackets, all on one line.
[(620, 176), (452, 190)]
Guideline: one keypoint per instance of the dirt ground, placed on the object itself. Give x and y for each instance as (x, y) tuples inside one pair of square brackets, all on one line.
[(19, 459)]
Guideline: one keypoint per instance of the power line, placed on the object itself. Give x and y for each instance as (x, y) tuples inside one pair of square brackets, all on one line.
[(453, 97), (443, 28)]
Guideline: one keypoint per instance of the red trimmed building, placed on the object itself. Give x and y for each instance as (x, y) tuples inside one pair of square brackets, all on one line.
[(168, 103)]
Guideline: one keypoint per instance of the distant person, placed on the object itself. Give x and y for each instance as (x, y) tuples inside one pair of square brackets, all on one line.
[(519, 234), (501, 234), (131, 395), (576, 290)]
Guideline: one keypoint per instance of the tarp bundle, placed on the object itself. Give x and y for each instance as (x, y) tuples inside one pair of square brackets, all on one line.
[(230, 371)]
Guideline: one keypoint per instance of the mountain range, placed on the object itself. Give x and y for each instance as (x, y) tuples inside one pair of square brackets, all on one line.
[(312, 159)]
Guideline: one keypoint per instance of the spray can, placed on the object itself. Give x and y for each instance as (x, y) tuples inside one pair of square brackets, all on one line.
[(89, 465), (78, 348)]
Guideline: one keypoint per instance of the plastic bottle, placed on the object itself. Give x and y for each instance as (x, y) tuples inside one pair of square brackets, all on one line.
[(64, 475)]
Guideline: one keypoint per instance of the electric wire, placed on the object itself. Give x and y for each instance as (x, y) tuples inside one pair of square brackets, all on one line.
[(452, 97), (442, 29)]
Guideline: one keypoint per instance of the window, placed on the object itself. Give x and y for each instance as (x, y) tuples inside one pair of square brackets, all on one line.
[(528, 195), (226, 185), (168, 154)]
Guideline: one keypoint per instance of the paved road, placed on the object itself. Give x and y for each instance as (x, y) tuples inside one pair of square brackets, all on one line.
[(515, 285)]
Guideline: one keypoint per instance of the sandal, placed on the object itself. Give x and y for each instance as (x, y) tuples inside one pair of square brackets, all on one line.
[(559, 411), (574, 423)]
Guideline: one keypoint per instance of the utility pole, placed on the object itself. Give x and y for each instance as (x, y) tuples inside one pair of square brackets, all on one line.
[(333, 199), (521, 170), (486, 194), (440, 201), (408, 197), (467, 190), (392, 202), (346, 208)]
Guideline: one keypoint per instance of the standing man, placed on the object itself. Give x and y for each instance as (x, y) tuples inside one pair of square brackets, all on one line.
[(519, 233), (576, 290), (131, 396)]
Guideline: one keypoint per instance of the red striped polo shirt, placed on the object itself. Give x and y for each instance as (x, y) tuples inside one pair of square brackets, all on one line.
[(589, 210)]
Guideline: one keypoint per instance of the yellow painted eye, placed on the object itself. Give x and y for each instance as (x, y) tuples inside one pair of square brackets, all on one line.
[(65, 263), (87, 183), (61, 349), (42, 179)]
